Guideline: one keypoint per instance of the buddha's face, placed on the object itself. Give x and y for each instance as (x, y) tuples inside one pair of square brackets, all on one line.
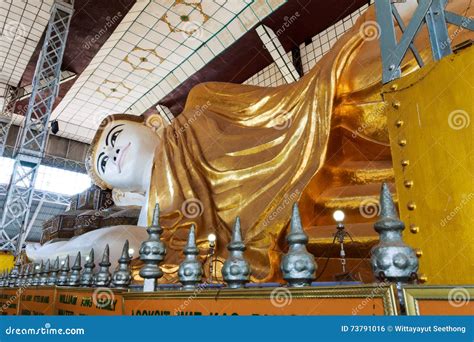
[(123, 154)]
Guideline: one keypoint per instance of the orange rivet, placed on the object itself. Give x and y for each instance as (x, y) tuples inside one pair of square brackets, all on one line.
[(402, 142), (408, 183), (411, 206), (414, 229), (399, 123), (396, 104), (405, 162)]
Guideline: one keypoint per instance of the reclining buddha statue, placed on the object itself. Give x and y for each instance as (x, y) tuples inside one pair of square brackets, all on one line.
[(251, 152)]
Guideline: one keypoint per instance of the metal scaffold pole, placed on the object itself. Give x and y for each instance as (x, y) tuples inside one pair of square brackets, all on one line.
[(6, 116), (431, 13), (34, 133)]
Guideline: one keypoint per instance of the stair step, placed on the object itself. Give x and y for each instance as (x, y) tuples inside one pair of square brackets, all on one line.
[(359, 203), (353, 191), (319, 234), (352, 196), (360, 172)]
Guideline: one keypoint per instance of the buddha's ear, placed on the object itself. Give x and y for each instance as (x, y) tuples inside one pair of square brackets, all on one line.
[(126, 199), (156, 123)]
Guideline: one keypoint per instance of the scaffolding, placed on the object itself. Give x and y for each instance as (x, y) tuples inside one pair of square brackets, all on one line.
[(429, 12), (6, 117), (35, 130)]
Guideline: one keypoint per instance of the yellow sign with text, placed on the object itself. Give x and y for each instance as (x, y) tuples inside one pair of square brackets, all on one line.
[(361, 300), (9, 300), (101, 301), (37, 301)]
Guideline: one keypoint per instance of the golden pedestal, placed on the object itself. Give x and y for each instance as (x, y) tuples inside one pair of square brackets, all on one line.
[(431, 138)]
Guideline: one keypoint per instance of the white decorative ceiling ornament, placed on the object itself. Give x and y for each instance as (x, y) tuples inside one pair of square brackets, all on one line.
[(157, 46)]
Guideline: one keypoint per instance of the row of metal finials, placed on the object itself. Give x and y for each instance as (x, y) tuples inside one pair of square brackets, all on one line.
[(298, 266)]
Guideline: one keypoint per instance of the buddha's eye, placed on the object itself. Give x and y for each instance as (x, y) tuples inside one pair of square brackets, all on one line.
[(114, 137), (103, 163)]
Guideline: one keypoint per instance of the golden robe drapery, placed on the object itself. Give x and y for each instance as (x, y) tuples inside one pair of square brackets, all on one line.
[(241, 150)]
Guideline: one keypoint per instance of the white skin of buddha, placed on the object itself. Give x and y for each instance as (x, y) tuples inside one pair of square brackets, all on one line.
[(124, 159)]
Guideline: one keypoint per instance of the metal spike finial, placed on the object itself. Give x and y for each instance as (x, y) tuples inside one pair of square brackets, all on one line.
[(236, 270), (103, 276), (31, 274), (392, 259), (53, 274), (14, 273), (190, 270), (155, 222), (24, 279), (63, 273), (75, 275), (122, 277), (7, 279), (4, 282), (43, 281), (387, 207), (298, 265), (19, 280), (152, 253), (87, 276), (37, 274)]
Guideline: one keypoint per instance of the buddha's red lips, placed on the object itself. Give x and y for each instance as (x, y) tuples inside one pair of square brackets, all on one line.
[(121, 157)]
